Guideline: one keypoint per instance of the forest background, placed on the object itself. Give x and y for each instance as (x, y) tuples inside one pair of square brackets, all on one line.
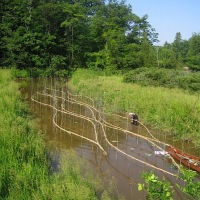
[(57, 37)]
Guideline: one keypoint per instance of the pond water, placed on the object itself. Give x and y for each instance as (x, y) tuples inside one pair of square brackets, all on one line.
[(115, 150)]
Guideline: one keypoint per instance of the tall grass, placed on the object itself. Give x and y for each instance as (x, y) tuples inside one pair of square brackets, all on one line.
[(176, 112), (24, 164)]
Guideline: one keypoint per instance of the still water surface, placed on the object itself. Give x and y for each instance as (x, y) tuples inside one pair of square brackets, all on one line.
[(72, 122)]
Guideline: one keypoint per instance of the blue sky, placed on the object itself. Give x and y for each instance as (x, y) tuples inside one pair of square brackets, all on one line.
[(169, 17)]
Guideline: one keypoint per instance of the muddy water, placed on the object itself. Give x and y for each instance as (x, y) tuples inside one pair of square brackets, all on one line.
[(72, 122)]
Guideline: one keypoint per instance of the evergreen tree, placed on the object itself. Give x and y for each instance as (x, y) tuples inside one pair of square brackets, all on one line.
[(194, 52), (148, 53), (140, 29), (177, 45)]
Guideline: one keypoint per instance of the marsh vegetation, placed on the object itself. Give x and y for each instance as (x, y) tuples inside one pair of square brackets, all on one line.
[(173, 112), (25, 160)]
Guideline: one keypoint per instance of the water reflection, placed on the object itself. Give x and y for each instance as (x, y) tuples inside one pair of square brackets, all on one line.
[(71, 122)]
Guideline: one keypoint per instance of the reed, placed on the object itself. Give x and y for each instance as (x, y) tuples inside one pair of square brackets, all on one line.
[(25, 166), (175, 112)]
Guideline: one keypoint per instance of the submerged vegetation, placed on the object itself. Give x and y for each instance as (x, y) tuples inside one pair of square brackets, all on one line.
[(25, 165), (174, 111)]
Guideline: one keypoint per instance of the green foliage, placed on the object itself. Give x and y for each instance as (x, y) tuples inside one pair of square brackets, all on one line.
[(163, 190), (156, 189), (191, 183), (193, 62), (164, 78), (148, 54), (132, 58), (63, 36), (194, 44), (109, 36), (177, 46), (193, 58), (190, 82), (57, 67), (167, 58), (142, 29), (19, 73)]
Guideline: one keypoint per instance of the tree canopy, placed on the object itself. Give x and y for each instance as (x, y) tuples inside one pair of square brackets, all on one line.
[(54, 36)]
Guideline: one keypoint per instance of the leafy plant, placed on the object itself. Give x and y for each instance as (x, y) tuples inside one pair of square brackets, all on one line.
[(191, 184), (156, 189)]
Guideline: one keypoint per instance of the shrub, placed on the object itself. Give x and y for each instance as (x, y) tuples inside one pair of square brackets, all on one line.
[(168, 78)]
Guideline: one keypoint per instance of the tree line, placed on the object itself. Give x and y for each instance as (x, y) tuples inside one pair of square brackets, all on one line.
[(57, 37)]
